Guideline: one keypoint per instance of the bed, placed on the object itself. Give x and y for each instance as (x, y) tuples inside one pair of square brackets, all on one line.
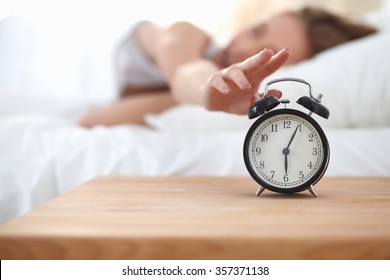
[(44, 153)]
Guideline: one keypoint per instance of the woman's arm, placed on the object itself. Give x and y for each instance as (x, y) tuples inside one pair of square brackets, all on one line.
[(129, 110), (173, 46), (168, 48), (231, 89)]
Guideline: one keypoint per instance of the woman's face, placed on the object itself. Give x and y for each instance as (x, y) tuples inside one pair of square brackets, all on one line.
[(277, 33)]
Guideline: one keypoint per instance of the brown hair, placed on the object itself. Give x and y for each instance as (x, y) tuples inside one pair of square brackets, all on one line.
[(326, 30)]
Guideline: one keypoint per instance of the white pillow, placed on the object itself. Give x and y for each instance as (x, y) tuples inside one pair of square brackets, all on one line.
[(354, 79)]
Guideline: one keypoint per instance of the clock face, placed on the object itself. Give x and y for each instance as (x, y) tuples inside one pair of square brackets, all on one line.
[(286, 151)]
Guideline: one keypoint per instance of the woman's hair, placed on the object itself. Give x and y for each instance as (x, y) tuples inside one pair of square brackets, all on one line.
[(326, 30)]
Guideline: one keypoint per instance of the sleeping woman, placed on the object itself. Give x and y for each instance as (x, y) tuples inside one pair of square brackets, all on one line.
[(159, 67)]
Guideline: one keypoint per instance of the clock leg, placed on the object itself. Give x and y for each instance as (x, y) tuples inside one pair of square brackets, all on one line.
[(260, 190), (312, 190)]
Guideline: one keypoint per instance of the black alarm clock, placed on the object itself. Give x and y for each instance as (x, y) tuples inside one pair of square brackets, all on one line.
[(286, 150)]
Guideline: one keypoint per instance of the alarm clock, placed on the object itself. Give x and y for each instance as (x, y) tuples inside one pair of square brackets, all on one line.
[(286, 150)]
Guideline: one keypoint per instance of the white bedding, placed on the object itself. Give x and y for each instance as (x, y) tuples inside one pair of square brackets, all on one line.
[(43, 153)]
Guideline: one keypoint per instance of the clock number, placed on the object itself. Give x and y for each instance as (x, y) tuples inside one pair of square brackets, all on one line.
[(310, 165), (264, 137), (286, 124), (258, 151), (301, 176), (262, 165), (311, 137), (315, 152), (272, 174), (274, 127), (285, 177)]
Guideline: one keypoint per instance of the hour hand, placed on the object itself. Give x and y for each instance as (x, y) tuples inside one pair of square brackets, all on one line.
[(286, 151)]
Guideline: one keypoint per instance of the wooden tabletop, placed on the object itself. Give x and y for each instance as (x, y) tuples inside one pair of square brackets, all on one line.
[(205, 218)]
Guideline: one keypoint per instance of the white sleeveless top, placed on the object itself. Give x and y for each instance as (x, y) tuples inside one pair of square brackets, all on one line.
[(135, 68)]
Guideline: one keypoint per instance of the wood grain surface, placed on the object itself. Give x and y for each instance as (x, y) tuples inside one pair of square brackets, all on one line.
[(205, 218)]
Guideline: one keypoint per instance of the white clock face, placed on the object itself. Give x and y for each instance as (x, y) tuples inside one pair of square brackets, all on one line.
[(285, 151)]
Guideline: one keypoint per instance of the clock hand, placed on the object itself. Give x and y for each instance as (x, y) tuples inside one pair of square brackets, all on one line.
[(292, 137), (286, 150), (285, 159)]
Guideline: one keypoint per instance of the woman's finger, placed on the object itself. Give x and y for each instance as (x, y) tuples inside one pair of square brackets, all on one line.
[(252, 64), (216, 81), (235, 75), (274, 63)]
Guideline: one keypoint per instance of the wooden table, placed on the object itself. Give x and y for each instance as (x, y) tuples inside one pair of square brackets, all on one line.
[(205, 218)]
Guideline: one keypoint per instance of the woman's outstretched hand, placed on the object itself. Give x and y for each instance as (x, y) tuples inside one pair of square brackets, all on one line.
[(232, 89)]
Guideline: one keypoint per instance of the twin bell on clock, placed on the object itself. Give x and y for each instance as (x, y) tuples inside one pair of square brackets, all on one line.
[(286, 150)]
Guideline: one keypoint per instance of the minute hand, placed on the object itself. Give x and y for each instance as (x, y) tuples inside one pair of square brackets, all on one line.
[(292, 137), (286, 150)]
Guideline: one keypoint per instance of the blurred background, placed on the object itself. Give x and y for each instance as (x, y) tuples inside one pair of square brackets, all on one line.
[(65, 48)]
